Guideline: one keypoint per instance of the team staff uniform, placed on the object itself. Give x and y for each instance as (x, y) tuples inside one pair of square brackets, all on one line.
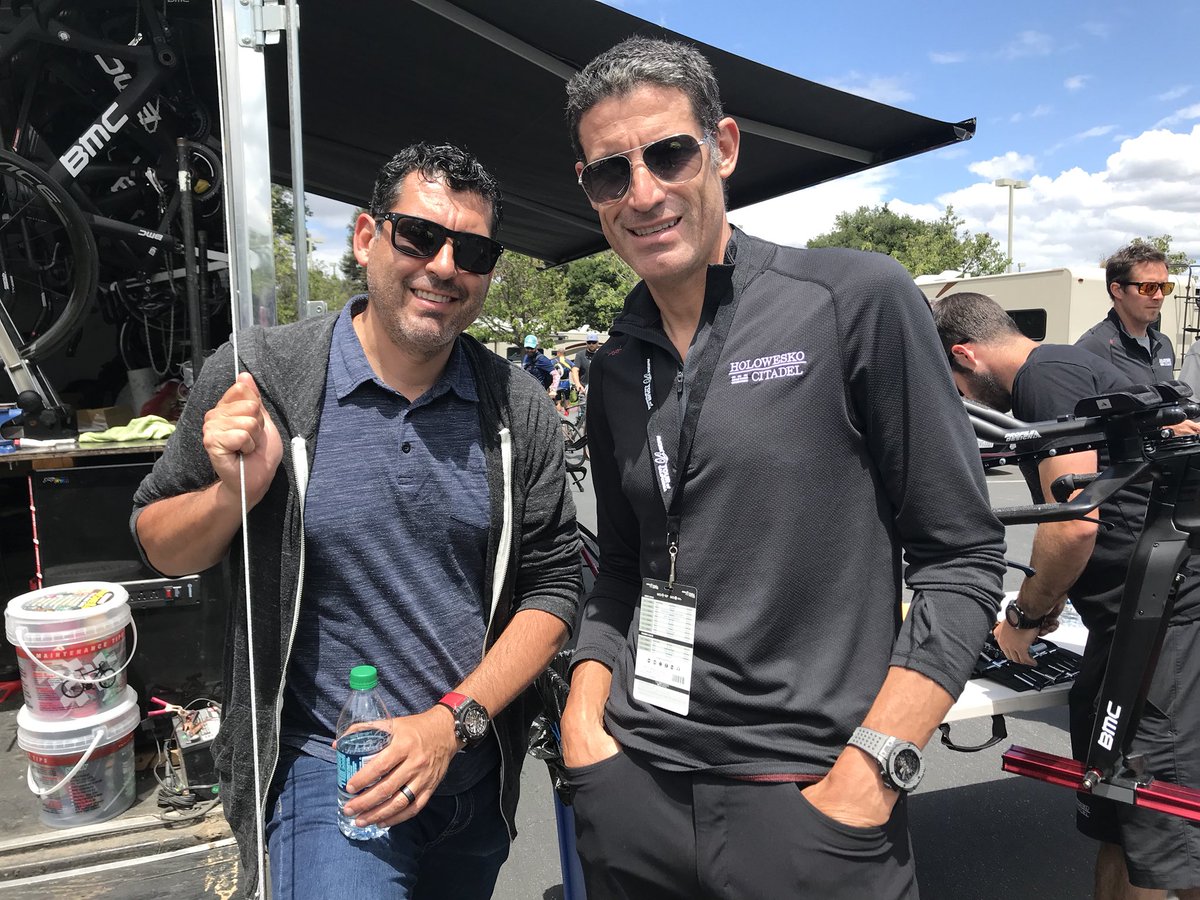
[(1141, 363), (1160, 850), (828, 406), (995, 364)]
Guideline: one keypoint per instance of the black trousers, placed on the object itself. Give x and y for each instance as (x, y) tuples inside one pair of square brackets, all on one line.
[(645, 834)]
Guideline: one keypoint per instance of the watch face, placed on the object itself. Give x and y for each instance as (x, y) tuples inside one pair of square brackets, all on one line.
[(475, 722), (907, 768), (1012, 615)]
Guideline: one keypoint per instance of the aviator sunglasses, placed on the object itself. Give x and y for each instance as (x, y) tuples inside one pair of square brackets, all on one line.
[(420, 238), (672, 160), (1147, 288)]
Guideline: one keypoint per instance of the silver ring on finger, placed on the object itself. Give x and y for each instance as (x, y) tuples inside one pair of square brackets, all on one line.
[(408, 795)]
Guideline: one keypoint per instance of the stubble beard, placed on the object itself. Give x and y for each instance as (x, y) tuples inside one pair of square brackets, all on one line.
[(424, 335), (987, 389)]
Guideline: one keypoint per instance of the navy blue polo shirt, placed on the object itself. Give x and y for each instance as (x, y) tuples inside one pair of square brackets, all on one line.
[(396, 525)]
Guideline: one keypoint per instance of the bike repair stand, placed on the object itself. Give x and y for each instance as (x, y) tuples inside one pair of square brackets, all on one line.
[(1140, 449), (43, 415)]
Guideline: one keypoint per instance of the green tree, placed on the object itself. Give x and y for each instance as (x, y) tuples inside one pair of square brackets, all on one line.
[(1177, 260), (323, 284), (524, 299), (354, 275), (596, 289), (924, 248)]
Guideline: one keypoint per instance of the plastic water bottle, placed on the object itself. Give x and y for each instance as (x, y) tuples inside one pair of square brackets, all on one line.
[(356, 748)]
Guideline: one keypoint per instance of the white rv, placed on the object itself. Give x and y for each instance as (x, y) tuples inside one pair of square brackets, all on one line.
[(1059, 305)]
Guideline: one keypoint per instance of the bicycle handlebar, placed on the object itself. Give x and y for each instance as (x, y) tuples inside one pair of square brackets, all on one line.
[(1130, 423)]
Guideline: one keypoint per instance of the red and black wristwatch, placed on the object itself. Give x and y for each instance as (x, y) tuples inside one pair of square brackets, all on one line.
[(471, 720)]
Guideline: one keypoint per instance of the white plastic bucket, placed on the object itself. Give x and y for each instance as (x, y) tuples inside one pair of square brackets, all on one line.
[(82, 770), (70, 642)]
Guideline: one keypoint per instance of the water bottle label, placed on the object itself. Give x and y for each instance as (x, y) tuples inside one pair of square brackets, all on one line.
[(357, 749)]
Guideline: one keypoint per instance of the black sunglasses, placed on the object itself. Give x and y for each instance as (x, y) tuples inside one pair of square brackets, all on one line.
[(414, 236), (673, 160), (1148, 288)]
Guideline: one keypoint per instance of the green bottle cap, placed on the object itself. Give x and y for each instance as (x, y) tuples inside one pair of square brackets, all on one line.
[(363, 678)]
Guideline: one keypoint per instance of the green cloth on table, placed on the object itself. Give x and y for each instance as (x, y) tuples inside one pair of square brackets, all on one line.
[(145, 428)]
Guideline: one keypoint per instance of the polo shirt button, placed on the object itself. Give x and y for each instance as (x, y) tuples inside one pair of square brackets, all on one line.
[(406, 446)]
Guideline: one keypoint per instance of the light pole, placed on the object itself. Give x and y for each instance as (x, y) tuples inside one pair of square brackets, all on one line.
[(1012, 184)]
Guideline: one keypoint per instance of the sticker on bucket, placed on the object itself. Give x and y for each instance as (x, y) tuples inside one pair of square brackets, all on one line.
[(71, 652), (58, 600), (78, 680), (81, 770)]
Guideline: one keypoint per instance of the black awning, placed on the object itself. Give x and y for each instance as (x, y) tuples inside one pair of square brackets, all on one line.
[(377, 75)]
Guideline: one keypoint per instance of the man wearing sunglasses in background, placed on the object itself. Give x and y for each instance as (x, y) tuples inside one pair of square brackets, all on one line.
[(435, 529), (1138, 285), (770, 428)]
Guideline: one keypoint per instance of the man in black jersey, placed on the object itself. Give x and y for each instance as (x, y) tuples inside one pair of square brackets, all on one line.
[(772, 435), (1142, 853)]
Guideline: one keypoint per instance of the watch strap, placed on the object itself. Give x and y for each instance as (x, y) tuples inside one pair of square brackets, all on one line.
[(873, 742), (1024, 621), (452, 700)]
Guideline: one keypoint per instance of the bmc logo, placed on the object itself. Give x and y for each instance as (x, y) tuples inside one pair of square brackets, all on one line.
[(1108, 730), (92, 141)]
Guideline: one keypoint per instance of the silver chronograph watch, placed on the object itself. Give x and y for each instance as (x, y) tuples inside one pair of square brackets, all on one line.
[(900, 762)]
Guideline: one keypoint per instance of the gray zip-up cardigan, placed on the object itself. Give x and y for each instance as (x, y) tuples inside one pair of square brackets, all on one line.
[(533, 548)]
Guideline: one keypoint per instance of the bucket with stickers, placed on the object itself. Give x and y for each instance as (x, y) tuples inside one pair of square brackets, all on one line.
[(81, 769), (70, 642)]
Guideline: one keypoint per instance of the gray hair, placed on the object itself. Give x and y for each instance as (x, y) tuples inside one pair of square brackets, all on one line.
[(637, 61)]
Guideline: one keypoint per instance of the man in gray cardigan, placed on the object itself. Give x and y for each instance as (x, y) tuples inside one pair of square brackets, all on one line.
[(408, 509)]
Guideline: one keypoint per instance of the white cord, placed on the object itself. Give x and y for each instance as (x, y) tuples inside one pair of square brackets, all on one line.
[(260, 845)]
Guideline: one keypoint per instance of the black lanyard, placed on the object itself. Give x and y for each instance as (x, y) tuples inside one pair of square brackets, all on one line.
[(671, 427)]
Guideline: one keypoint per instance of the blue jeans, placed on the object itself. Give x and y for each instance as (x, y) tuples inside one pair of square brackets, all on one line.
[(452, 849)]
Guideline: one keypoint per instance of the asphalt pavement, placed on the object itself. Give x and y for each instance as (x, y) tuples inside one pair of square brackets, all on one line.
[(978, 833)]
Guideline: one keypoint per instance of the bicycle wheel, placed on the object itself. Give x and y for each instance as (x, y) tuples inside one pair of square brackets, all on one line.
[(574, 445), (48, 262)]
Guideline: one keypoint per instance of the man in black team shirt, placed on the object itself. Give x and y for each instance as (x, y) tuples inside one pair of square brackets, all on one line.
[(1138, 285), (746, 618), (995, 364)]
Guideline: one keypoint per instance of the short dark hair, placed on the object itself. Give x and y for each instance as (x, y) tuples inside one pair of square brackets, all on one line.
[(637, 61), (459, 169), (1118, 266), (965, 316)]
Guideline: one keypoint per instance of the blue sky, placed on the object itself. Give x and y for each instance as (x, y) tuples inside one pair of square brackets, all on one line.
[(1097, 105)]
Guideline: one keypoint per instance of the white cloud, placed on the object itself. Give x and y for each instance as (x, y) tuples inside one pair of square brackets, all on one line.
[(796, 218), (327, 228), (947, 58), (1094, 132), (1028, 43), (1074, 218), (1010, 165), (885, 89), (1097, 29), (1037, 112), (1146, 187), (1173, 93), (1180, 115), (1076, 82)]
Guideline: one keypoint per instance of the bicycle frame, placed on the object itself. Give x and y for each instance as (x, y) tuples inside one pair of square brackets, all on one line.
[(154, 63), (1131, 425)]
